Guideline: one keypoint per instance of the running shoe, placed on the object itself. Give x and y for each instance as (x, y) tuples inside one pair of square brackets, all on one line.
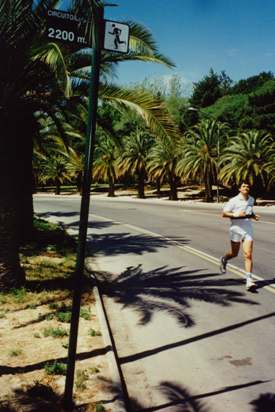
[(250, 284), (223, 263)]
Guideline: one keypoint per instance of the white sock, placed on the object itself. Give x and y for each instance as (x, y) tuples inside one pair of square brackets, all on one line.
[(248, 275)]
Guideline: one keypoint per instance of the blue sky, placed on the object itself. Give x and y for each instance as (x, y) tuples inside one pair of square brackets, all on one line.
[(237, 36)]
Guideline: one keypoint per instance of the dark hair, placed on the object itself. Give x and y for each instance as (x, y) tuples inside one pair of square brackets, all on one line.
[(244, 182)]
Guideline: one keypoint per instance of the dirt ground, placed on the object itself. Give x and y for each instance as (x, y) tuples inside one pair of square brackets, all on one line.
[(30, 344)]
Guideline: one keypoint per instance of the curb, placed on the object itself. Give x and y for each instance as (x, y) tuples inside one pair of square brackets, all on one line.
[(121, 395), (155, 201)]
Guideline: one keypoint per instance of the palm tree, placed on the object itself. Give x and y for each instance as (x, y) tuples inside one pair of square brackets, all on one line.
[(199, 153), (105, 164), (27, 85), (249, 156), (162, 162), (55, 172), (134, 157), (38, 76)]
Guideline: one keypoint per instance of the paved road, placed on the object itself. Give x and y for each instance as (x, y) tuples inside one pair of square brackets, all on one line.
[(188, 339), (200, 228)]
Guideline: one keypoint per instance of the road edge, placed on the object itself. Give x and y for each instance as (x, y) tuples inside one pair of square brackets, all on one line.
[(121, 395)]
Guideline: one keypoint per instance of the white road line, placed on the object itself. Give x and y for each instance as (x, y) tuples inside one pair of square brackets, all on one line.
[(218, 214), (189, 249)]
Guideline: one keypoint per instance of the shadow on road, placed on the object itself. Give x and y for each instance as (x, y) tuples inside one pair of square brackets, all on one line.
[(262, 283), (57, 214), (264, 403), (181, 399), (110, 244), (169, 290), (75, 224), (150, 352)]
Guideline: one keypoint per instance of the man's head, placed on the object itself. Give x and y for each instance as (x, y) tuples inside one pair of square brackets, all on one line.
[(244, 188)]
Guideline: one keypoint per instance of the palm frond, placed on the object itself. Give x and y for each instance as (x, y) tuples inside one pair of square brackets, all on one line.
[(146, 105), (51, 54)]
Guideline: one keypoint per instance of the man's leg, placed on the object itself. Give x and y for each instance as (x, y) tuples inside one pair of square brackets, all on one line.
[(235, 247), (247, 251), (248, 263)]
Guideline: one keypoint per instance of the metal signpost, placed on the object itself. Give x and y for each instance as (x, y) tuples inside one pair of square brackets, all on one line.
[(68, 28)]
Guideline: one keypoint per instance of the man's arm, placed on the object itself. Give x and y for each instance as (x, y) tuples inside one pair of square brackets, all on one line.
[(254, 217), (235, 215), (240, 215)]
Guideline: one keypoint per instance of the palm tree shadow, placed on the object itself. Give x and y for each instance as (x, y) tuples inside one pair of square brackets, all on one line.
[(181, 399), (36, 398), (91, 224), (262, 283), (57, 214), (176, 395), (168, 290), (264, 403), (110, 244)]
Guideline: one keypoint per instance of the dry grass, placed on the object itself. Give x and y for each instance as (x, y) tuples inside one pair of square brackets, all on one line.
[(34, 330)]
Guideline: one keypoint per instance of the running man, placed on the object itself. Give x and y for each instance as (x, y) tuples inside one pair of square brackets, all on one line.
[(116, 32), (240, 210)]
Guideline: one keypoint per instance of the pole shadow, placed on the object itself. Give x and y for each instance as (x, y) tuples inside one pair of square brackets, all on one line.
[(207, 335), (179, 398)]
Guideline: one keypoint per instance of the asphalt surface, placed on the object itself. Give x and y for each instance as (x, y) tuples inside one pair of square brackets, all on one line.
[(200, 228), (188, 338)]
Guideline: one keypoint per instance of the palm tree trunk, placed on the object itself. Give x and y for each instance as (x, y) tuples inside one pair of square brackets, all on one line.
[(11, 274), (24, 178), (258, 187), (111, 188), (141, 184), (208, 188), (16, 182), (173, 195), (57, 187), (158, 186), (79, 180)]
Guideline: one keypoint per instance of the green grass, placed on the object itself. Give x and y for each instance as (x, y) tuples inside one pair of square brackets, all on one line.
[(85, 313), (80, 379), (99, 407), (3, 313), (56, 368), (3, 298), (19, 294), (63, 313), (15, 352), (64, 316), (94, 370), (55, 332), (93, 332), (45, 226), (53, 305)]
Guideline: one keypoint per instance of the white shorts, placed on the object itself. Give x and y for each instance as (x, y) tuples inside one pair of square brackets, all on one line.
[(241, 233)]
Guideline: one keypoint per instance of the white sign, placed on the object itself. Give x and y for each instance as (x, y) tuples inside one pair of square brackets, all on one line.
[(116, 36)]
